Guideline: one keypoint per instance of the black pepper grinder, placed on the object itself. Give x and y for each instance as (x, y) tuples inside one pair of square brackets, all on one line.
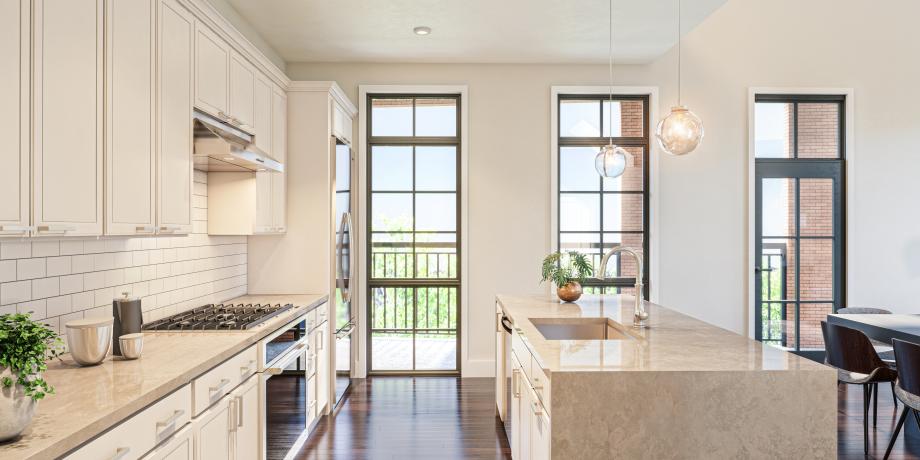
[(128, 319)]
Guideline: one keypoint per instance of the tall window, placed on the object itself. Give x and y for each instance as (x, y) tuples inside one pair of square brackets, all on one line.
[(414, 217), (799, 153), (596, 214)]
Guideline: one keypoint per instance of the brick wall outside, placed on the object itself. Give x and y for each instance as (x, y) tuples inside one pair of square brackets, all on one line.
[(818, 131), (631, 206)]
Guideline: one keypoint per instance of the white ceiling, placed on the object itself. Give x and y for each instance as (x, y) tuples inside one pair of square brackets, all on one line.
[(482, 31)]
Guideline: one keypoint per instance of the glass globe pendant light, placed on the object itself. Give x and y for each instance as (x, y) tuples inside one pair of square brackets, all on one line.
[(611, 161), (681, 131)]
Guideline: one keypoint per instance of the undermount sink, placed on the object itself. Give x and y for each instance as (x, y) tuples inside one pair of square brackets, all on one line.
[(579, 329)]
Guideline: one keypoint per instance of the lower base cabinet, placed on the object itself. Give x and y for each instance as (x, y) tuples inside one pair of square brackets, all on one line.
[(530, 431), (179, 447), (213, 431), (246, 434)]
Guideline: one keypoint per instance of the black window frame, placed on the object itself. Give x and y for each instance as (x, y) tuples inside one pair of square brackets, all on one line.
[(642, 142)]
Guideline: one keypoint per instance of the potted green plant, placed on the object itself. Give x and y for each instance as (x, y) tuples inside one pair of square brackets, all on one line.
[(25, 347), (567, 272)]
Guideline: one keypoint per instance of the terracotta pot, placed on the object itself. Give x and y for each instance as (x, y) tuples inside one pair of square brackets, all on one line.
[(16, 409), (570, 292)]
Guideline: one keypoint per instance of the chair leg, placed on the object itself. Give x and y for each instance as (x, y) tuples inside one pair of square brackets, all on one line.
[(895, 398), (916, 417), (897, 430), (866, 394), (874, 405)]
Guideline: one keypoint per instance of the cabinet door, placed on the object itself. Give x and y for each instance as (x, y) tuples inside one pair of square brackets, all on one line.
[(178, 447), (516, 395), (247, 419), (262, 114), (211, 67), (539, 430), (130, 160), (175, 59), (279, 152), (321, 349), (242, 81), (264, 192), (67, 116), (213, 433), (524, 418), (15, 50)]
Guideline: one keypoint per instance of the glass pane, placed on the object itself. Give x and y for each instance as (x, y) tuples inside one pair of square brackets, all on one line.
[(623, 212), (436, 343), (391, 352), (579, 118), (436, 168), (778, 207), (391, 168), (391, 117), (585, 243), (632, 178), (626, 119), (778, 324), (436, 255), (342, 205), (773, 130), (436, 212), (579, 212), (811, 315), (818, 130), (436, 351), (777, 270), (391, 255), (816, 278), (342, 167), (621, 265), (392, 212), (436, 117), (576, 169), (816, 207)]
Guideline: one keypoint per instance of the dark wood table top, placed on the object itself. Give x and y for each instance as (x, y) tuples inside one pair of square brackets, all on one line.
[(882, 328)]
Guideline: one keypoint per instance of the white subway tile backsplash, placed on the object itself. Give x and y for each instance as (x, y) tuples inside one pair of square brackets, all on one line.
[(141, 258), (114, 277), (58, 266), (71, 247), (36, 308), (149, 272), (82, 263), (46, 287), (7, 271), (27, 269), (93, 246), (132, 274), (93, 280), (15, 292), (46, 248), (15, 249), (103, 296), (82, 300), (71, 284), (123, 259), (104, 261), (8, 309), (58, 306)]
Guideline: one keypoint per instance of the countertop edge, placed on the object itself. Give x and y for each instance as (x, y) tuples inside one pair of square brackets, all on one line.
[(90, 432)]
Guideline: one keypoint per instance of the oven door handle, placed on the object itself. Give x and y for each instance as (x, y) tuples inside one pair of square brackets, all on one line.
[(506, 324), (288, 358)]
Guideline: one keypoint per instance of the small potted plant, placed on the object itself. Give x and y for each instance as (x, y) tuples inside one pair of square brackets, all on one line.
[(25, 347), (567, 274)]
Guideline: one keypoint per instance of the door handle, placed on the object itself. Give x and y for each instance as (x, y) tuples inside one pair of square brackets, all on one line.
[(121, 452), (239, 412), (232, 408)]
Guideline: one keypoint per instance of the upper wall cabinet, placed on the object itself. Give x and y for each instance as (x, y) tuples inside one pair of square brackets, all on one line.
[(15, 50), (175, 66), (271, 188), (341, 123), (67, 116), (130, 161), (242, 80), (212, 68)]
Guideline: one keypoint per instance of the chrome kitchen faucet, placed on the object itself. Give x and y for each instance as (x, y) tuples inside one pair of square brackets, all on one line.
[(640, 315)]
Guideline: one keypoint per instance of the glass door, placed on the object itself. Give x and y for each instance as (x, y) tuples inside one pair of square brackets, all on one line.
[(344, 313), (799, 220)]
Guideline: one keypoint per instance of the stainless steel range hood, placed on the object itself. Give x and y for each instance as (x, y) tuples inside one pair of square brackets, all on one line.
[(222, 147)]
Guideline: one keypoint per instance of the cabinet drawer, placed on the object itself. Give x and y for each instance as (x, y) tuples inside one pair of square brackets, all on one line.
[(523, 354), (322, 313), (143, 431), (217, 382), (540, 383), (311, 320)]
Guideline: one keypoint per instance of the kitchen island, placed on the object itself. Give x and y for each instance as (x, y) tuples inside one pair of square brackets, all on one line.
[(582, 383)]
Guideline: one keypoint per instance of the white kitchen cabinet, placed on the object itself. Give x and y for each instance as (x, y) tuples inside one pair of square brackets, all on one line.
[(271, 188), (213, 431), (178, 447), (67, 117), (175, 65), (262, 114), (15, 50), (516, 404), (241, 98), (130, 142), (341, 123), (246, 434), (212, 66), (523, 419), (540, 444), (321, 350)]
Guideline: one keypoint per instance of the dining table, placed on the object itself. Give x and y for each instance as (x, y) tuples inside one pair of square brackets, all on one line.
[(881, 328)]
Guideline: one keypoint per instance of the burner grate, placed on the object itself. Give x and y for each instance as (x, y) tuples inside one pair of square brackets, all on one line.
[(219, 317)]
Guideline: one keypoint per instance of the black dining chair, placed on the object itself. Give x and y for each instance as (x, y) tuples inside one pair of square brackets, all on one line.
[(887, 354), (874, 386), (908, 387), (857, 363)]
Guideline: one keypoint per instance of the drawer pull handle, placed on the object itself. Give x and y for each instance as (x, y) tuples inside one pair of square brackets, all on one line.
[(121, 452), (515, 380), (17, 228), (216, 390), (247, 368), (145, 229), (537, 409), (239, 412), (233, 424), (320, 340), (56, 229), (169, 425)]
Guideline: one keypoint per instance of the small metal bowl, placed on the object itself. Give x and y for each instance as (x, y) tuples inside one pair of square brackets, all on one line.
[(89, 339), (131, 345)]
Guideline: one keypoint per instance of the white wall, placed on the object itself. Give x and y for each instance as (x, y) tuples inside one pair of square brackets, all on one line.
[(59, 280), (703, 201)]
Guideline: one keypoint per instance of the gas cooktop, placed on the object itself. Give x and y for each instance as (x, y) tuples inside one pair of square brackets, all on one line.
[(218, 317)]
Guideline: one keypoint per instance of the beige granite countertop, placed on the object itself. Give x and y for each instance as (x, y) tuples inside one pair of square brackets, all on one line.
[(90, 400), (674, 342)]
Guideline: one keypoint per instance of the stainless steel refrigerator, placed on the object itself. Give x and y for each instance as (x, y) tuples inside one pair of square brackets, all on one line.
[(345, 317)]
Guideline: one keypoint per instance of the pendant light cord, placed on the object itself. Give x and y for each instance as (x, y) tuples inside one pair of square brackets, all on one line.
[(610, 68), (678, 52)]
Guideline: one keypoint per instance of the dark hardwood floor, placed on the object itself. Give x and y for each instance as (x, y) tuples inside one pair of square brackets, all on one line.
[(449, 418), (406, 418)]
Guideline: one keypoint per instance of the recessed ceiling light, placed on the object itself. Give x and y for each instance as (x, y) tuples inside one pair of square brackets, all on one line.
[(422, 30)]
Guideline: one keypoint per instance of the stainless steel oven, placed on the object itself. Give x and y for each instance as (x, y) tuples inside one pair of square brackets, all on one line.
[(283, 389)]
